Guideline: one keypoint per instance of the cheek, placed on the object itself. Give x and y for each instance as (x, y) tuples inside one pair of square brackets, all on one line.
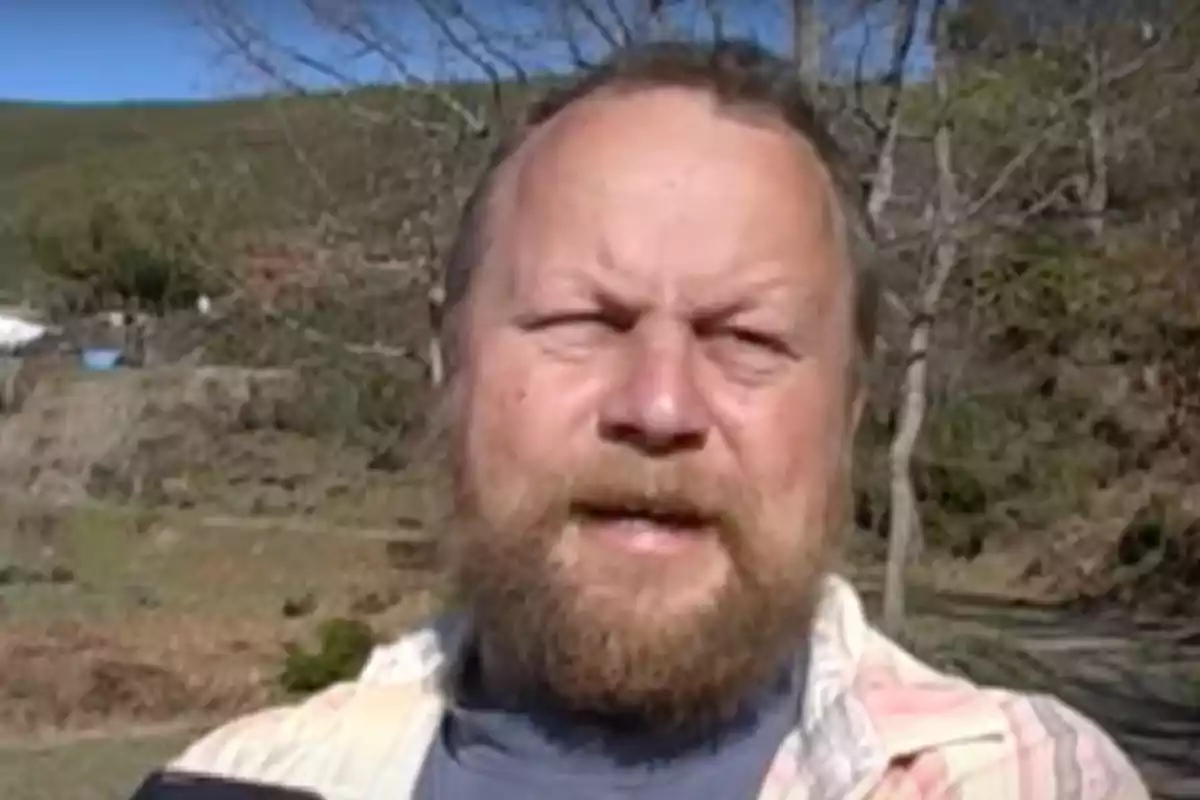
[(522, 416), (494, 412), (791, 441), (792, 451)]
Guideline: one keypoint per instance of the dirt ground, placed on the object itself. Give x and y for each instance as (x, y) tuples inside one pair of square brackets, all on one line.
[(144, 618), (124, 633)]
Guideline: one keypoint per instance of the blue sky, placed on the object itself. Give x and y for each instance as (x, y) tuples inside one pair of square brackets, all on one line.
[(113, 50), (87, 51)]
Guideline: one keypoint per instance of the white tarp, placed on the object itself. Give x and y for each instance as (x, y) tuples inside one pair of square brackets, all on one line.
[(16, 332)]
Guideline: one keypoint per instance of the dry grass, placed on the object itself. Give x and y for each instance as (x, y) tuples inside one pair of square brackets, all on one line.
[(158, 547), (165, 618), (149, 668), (92, 768)]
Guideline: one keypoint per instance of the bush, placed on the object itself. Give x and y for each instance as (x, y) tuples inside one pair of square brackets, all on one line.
[(144, 231), (120, 247), (377, 402), (344, 645)]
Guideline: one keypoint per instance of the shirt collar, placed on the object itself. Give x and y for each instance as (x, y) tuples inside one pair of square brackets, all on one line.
[(845, 738)]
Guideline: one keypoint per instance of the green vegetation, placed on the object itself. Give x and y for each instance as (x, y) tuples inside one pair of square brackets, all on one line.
[(354, 197), (171, 184), (344, 645), (1057, 460), (42, 143)]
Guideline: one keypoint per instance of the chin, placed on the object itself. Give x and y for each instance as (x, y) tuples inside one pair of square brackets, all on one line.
[(656, 595)]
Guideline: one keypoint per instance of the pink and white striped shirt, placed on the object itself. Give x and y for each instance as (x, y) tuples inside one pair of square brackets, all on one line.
[(877, 724)]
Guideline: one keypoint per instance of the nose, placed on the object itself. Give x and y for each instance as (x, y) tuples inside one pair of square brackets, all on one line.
[(656, 405)]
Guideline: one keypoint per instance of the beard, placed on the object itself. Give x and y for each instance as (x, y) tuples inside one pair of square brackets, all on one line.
[(672, 643)]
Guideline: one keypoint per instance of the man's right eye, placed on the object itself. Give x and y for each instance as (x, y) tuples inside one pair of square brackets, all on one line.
[(590, 319), (577, 334), (597, 320)]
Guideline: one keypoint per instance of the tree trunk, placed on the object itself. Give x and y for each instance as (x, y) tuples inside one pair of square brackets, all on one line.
[(437, 364), (904, 520), (1095, 201), (807, 40), (887, 133), (435, 359)]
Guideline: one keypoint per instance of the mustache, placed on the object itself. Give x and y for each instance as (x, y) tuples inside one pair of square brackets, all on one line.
[(655, 495), (676, 490)]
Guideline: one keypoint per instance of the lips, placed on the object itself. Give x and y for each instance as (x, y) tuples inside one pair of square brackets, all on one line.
[(671, 516), (644, 527)]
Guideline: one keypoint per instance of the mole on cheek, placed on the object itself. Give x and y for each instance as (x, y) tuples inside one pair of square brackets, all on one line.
[(511, 401)]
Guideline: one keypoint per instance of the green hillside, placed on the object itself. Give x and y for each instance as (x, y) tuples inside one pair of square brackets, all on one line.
[(69, 153), (41, 140)]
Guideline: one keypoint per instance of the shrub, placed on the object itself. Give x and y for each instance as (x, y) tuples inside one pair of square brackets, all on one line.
[(148, 232), (343, 647)]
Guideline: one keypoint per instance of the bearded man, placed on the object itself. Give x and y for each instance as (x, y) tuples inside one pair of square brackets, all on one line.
[(657, 311)]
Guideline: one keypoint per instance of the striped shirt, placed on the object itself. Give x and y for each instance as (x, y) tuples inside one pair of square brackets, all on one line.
[(876, 724)]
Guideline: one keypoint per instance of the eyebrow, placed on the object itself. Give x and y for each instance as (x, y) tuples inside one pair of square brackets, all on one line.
[(751, 299), (614, 289)]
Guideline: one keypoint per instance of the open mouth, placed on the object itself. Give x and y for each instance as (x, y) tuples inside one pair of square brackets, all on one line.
[(679, 518), (643, 528)]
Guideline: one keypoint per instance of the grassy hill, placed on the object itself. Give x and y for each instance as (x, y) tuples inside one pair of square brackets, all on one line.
[(279, 142), (368, 143), (41, 140)]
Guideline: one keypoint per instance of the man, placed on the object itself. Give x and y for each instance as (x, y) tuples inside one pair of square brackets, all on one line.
[(657, 310)]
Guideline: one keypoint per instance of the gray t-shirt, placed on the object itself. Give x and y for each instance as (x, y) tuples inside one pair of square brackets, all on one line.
[(483, 752)]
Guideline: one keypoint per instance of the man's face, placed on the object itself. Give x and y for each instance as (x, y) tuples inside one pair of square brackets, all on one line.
[(653, 410)]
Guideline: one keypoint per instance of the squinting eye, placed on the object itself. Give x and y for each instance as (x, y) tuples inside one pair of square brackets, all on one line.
[(587, 320), (752, 338), (577, 334), (748, 356)]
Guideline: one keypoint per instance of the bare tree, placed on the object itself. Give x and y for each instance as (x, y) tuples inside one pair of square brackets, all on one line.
[(886, 131), (461, 66), (363, 45), (951, 217), (808, 39), (913, 399), (1095, 198)]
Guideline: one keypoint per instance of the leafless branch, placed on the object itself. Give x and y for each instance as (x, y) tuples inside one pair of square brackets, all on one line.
[(1058, 119), (589, 15), (883, 179)]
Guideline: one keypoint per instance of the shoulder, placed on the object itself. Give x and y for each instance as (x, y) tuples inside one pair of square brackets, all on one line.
[(355, 735), (1039, 749), (969, 740), (338, 743)]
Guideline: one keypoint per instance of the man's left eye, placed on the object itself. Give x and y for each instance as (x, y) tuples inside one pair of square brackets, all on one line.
[(756, 338)]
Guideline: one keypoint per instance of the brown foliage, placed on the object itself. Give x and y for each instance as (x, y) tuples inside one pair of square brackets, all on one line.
[(80, 675)]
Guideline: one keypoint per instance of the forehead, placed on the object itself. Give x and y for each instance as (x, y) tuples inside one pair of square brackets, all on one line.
[(666, 187)]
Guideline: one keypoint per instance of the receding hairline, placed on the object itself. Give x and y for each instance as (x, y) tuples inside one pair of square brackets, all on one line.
[(746, 113), (787, 112), (563, 131)]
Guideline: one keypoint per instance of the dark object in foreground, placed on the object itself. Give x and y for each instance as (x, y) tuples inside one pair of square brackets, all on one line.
[(184, 786)]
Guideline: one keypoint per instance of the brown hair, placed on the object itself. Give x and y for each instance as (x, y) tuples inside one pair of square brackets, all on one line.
[(741, 75)]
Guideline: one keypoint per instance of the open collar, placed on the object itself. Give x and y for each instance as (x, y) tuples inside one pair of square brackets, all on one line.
[(845, 740)]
